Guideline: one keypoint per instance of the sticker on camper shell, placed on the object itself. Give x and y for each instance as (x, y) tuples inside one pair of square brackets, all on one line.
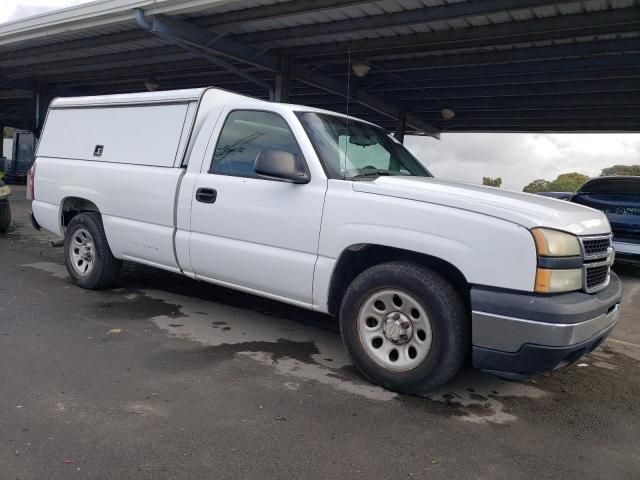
[(97, 152)]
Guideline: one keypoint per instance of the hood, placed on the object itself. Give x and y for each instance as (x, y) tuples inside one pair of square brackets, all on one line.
[(522, 208)]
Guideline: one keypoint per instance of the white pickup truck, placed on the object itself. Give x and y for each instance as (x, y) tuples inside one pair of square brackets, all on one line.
[(332, 214)]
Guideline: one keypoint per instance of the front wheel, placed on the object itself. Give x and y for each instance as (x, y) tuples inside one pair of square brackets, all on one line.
[(88, 257), (405, 327), (5, 215)]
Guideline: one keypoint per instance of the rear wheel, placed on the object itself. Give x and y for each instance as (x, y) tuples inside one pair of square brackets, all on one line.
[(5, 215), (88, 257), (405, 327)]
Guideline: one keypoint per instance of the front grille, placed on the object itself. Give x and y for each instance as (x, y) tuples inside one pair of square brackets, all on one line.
[(597, 247), (597, 254), (596, 276)]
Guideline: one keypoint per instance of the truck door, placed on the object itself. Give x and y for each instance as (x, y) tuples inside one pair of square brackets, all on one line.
[(248, 231)]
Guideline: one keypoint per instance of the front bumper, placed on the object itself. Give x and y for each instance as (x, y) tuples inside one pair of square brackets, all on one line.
[(520, 334)]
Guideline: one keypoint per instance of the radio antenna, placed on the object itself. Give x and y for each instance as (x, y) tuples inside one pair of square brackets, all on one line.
[(346, 143)]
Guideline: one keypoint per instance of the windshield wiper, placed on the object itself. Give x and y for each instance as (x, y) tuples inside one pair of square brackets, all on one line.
[(375, 173)]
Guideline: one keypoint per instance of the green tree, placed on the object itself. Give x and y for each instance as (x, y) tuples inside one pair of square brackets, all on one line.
[(568, 182), (539, 185), (621, 170), (492, 182)]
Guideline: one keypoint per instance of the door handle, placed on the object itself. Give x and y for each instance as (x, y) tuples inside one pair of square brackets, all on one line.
[(206, 195)]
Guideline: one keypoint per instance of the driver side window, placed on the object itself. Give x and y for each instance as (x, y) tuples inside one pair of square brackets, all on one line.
[(244, 135)]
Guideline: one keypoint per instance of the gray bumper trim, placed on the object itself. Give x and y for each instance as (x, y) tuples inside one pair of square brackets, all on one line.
[(509, 334), (561, 308)]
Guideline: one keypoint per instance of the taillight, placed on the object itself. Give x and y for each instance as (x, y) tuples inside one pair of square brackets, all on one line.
[(31, 180)]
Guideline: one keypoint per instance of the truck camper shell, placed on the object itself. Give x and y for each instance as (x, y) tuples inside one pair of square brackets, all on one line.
[(149, 128)]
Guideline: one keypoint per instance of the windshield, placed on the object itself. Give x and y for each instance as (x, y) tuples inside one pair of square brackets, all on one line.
[(354, 150)]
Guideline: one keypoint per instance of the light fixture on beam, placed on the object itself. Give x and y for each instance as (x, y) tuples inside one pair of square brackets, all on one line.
[(360, 68), (447, 113), (151, 85)]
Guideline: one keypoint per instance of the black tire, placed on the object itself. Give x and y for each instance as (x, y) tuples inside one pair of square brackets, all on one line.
[(5, 215), (106, 267), (448, 317)]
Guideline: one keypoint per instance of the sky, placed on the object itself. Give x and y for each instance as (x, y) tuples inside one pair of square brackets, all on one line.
[(517, 158)]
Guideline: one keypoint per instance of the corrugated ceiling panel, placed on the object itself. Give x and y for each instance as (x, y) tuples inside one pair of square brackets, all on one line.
[(477, 21), (354, 11), (571, 8), (500, 17), (150, 42), (422, 28), (595, 5), (232, 7), (73, 35), (410, 4), (522, 15)]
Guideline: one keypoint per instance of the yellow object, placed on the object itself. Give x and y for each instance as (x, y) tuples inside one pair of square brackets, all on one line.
[(4, 192)]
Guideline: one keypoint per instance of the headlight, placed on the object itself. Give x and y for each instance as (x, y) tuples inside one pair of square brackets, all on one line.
[(554, 281), (552, 243), (559, 261)]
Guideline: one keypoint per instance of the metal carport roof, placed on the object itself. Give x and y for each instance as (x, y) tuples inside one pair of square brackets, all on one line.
[(525, 65)]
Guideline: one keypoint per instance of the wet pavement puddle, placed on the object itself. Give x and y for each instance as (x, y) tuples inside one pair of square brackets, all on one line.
[(303, 353)]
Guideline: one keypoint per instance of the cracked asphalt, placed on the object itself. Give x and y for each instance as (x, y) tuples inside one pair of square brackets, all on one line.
[(164, 377)]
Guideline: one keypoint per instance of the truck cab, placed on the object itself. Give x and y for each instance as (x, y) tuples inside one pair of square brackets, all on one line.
[(329, 213)]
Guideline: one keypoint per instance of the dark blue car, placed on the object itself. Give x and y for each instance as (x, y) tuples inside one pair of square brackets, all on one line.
[(619, 199)]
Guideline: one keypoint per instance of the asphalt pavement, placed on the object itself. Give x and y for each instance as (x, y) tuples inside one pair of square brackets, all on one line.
[(163, 377)]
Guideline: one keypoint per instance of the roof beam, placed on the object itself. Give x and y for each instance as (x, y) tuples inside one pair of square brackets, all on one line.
[(91, 42), (574, 76), (182, 68), (511, 56), (414, 16), (274, 11), (547, 115), (141, 57), (451, 92), (536, 102), (539, 29), (176, 36), (192, 78), (212, 44), (239, 86), (429, 71), (551, 125)]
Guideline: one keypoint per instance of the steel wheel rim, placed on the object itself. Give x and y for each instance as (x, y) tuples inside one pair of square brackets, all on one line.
[(82, 252), (382, 331)]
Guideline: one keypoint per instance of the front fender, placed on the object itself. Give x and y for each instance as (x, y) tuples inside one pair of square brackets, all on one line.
[(487, 250)]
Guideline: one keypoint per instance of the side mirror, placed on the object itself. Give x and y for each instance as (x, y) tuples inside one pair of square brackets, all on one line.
[(281, 165)]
